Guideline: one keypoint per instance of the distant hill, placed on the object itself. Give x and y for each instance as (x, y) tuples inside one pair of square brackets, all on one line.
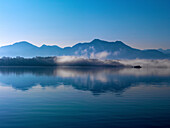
[(166, 51), (95, 49)]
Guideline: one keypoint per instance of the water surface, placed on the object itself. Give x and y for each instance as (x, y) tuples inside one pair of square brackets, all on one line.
[(75, 97)]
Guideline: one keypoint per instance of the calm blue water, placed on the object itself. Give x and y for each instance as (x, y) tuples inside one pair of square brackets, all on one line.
[(84, 98)]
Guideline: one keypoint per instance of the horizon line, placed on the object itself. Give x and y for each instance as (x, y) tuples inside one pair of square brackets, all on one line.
[(30, 42)]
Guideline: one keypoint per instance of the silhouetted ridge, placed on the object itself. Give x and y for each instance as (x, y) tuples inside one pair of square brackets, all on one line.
[(96, 49), (23, 43)]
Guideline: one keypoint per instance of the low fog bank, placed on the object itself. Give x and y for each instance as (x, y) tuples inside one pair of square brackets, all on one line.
[(81, 61), (58, 61), (146, 63)]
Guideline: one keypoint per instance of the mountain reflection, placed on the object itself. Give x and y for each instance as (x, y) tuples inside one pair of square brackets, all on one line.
[(97, 80)]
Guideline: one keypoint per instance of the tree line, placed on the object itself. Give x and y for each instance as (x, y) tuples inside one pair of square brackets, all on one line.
[(20, 61)]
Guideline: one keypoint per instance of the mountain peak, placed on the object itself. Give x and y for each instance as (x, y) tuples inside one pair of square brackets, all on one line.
[(120, 42), (23, 43), (44, 45), (49, 46), (97, 40)]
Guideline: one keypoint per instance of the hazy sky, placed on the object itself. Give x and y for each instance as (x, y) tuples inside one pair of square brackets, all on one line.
[(139, 23)]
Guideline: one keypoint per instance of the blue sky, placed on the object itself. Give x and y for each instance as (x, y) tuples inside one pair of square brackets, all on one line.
[(138, 23)]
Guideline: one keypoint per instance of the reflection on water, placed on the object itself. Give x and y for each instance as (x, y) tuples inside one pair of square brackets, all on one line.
[(74, 97), (96, 80)]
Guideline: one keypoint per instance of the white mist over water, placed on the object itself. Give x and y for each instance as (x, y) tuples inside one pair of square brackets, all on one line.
[(144, 63), (147, 63), (82, 61)]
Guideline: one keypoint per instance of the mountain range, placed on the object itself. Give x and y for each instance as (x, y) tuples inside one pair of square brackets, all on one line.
[(95, 49)]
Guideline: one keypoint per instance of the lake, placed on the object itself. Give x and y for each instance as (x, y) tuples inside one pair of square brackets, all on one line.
[(84, 97)]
